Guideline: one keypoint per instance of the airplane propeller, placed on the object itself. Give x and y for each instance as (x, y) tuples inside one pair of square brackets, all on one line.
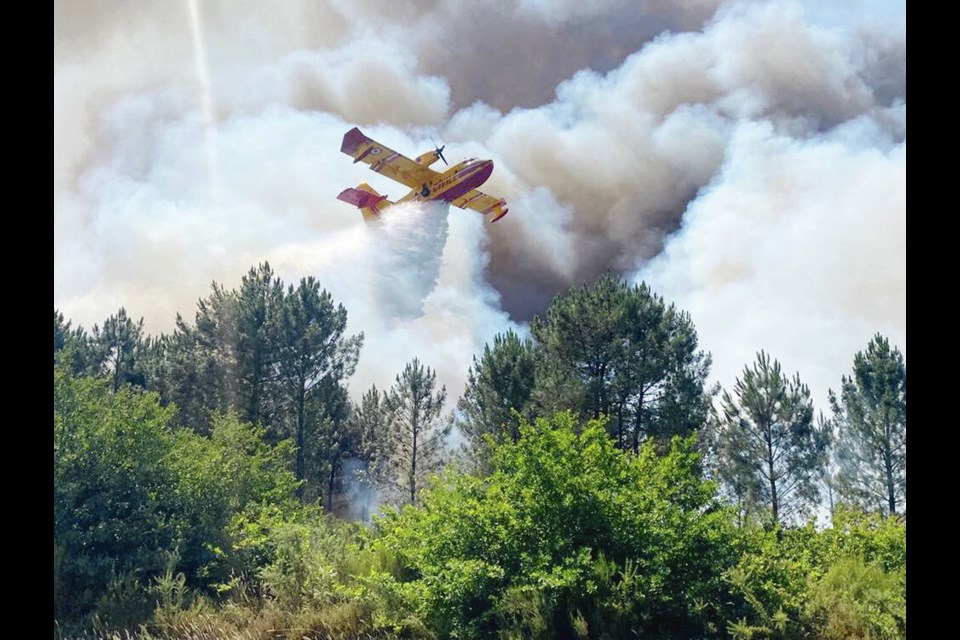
[(439, 151)]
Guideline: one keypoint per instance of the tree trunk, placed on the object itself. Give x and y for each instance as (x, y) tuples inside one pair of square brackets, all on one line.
[(413, 461), (775, 503), (891, 494), (253, 404), (636, 424), (116, 369), (330, 482), (620, 426), (301, 457)]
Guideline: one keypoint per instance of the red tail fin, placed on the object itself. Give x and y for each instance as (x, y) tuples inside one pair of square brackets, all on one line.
[(365, 198)]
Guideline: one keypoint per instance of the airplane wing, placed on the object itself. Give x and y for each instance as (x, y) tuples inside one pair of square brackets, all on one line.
[(479, 201), (385, 160)]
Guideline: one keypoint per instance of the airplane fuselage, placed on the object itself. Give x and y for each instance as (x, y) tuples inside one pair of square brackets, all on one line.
[(457, 185), (454, 182)]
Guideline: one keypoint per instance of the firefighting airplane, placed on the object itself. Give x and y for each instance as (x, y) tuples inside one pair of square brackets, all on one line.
[(457, 185)]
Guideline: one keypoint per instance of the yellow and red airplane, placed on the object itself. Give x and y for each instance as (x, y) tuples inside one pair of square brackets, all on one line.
[(457, 185)]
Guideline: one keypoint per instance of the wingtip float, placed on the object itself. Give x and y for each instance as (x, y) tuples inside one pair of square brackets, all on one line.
[(457, 185)]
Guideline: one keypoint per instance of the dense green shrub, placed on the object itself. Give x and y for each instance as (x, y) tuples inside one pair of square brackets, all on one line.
[(848, 580), (569, 535), (135, 499)]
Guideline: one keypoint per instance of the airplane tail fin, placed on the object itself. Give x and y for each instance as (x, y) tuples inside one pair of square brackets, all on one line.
[(498, 210), (365, 198)]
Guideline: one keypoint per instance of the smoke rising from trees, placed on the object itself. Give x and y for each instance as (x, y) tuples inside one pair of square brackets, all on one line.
[(746, 159)]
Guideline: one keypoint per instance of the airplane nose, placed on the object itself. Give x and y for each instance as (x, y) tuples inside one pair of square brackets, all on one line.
[(486, 168)]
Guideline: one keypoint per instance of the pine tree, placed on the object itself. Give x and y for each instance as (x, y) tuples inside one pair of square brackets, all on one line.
[(331, 438), (581, 347), (119, 346), (199, 367), (871, 417), (770, 453), (310, 348), (258, 305), (417, 433), (72, 347), (371, 471), (372, 425), (215, 342), (499, 390), (619, 350)]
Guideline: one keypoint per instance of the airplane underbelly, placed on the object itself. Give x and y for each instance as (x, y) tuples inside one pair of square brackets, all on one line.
[(455, 191), (469, 183)]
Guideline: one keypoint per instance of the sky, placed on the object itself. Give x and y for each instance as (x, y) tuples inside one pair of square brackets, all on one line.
[(745, 159)]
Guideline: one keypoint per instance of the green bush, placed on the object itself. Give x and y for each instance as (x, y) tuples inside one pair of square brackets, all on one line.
[(114, 493), (569, 535), (857, 600), (848, 580), (131, 491)]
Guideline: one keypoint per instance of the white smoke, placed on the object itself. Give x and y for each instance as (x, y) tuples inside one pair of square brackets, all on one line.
[(363, 498), (797, 248), (754, 150)]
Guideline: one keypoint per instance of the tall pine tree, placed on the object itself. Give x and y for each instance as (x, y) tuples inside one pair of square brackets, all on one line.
[(259, 303), (417, 433), (498, 385), (310, 348), (871, 418), (119, 346), (770, 453), (619, 350)]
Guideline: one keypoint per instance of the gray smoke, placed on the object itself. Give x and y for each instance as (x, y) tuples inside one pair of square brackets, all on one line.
[(627, 151), (363, 498), (754, 151)]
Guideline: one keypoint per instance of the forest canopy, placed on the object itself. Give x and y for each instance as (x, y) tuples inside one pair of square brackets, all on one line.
[(220, 481)]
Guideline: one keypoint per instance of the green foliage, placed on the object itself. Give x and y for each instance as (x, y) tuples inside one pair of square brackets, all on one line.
[(871, 415), (194, 362), (769, 454), (568, 533), (499, 391), (255, 309), (72, 347), (130, 490), (308, 562), (176, 514), (331, 438), (114, 496), (234, 488), (619, 350), (414, 447), (322, 564), (859, 600), (848, 580), (119, 348), (312, 354)]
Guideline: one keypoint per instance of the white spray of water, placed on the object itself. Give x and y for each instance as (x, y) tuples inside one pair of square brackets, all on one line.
[(404, 257)]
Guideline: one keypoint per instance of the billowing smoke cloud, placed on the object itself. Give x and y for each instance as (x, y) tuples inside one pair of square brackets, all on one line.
[(754, 151), (627, 151), (797, 247)]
